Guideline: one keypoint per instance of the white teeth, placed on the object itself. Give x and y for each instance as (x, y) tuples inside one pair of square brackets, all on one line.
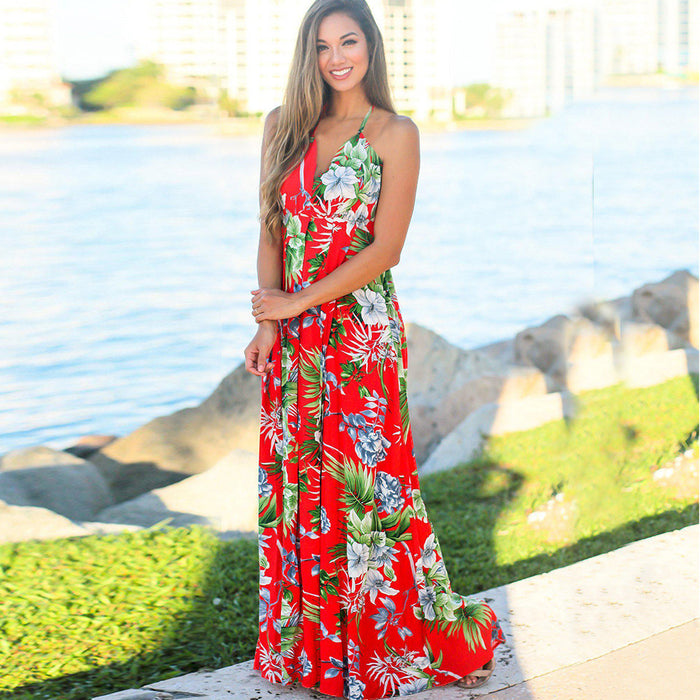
[(340, 72)]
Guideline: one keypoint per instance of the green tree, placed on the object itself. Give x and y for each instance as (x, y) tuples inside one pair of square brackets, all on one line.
[(141, 85), (228, 104), (484, 98)]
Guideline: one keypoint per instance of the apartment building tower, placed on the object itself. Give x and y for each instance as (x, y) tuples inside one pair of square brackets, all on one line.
[(246, 46), (545, 57), (27, 52)]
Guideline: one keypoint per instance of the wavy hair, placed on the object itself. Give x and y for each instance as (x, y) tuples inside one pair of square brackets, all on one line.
[(307, 96)]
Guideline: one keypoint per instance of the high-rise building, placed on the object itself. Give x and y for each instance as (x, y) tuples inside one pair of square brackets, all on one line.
[(27, 52), (678, 36), (628, 42), (520, 62), (189, 38), (261, 35), (545, 58), (418, 63), (246, 47), (691, 35)]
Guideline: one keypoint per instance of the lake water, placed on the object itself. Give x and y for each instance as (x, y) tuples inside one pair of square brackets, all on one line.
[(129, 251)]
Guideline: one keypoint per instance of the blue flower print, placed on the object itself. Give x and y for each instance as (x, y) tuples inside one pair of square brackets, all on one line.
[(264, 486), (387, 489), (325, 521), (264, 608), (371, 447)]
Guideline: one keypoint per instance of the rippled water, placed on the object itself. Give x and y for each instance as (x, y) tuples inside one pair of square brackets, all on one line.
[(129, 251)]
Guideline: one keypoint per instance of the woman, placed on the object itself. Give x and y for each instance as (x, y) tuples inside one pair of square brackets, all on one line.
[(355, 599)]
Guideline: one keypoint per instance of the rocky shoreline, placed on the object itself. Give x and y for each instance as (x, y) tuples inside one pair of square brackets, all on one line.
[(198, 465)]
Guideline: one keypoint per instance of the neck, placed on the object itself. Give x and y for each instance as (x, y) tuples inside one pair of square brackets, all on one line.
[(352, 104)]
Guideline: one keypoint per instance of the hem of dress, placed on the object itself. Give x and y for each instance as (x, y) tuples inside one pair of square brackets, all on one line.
[(298, 682)]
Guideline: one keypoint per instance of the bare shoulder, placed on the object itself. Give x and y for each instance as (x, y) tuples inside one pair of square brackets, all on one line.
[(396, 134)]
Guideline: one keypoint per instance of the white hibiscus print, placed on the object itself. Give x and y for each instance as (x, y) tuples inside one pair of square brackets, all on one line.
[(428, 557), (373, 306), (375, 583), (358, 558), (340, 181), (427, 598), (355, 218), (373, 182), (416, 685)]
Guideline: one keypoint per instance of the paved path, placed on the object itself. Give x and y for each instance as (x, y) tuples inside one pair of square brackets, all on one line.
[(618, 625), (665, 666)]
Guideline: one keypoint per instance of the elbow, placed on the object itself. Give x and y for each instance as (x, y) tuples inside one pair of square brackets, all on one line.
[(386, 256)]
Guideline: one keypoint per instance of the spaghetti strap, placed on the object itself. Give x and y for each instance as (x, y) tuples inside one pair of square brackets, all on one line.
[(364, 121)]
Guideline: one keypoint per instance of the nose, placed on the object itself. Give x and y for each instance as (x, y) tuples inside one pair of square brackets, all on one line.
[(337, 57)]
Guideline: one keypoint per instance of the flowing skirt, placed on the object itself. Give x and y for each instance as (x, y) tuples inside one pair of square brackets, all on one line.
[(355, 599)]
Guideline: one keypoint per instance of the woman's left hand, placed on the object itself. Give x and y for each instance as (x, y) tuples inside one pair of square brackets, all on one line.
[(274, 304)]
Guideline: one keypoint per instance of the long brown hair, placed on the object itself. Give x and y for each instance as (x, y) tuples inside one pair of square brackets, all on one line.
[(307, 95)]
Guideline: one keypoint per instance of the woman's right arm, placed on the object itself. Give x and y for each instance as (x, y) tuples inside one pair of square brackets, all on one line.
[(269, 270)]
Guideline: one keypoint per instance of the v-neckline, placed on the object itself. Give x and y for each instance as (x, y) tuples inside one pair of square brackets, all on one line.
[(340, 150)]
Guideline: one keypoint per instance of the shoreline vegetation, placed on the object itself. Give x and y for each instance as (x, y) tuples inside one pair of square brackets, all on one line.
[(225, 125)]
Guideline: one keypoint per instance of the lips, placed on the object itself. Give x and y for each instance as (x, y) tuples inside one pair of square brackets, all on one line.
[(342, 74)]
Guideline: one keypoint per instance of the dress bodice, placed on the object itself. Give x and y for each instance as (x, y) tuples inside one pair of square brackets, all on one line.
[(331, 216)]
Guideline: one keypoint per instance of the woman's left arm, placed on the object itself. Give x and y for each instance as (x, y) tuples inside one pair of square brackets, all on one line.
[(393, 215)]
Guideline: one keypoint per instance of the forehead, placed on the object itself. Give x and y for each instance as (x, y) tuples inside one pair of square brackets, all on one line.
[(335, 25)]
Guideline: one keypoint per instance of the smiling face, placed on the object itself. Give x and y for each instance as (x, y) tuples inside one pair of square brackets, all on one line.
[(342, 50)]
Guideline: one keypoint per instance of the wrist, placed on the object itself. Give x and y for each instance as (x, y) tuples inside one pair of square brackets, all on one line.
[(304, 299), (268, 326)]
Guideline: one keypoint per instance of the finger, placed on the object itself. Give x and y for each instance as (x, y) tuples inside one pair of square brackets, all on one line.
[(253, 370)]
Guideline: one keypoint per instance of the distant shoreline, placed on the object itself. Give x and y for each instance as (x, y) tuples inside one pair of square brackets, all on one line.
[(249, 126), (236, 126)]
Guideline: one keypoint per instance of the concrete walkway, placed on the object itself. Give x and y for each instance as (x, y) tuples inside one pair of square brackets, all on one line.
[(620, 625)]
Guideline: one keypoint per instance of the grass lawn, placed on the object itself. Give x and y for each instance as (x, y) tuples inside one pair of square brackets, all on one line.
[(86, 616)]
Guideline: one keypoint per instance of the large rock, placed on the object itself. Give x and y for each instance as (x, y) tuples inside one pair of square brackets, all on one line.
[(224, 497), (546, 347), (640, 338), (53, 479), (466, 441), (446, 383), (169, 448), (20, 523), (672, 304), (35, 457)]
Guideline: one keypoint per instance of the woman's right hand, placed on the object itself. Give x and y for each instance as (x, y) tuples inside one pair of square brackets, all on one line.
[(258, 349)]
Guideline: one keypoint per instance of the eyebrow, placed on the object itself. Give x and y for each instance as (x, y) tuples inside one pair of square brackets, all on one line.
[(341, 38)]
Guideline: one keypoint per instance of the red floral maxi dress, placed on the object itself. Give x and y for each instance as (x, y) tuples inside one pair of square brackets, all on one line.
[(355, 599)]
